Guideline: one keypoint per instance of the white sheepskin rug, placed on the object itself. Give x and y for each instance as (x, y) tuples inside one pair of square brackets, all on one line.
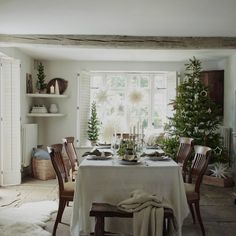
[(7, 197), (23, 229), (27, 219)]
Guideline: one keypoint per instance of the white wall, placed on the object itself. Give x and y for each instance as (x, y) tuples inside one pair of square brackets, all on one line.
[(229, 91)]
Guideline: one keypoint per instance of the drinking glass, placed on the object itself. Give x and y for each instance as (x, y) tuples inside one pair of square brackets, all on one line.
[(139, 149), (115, 144)]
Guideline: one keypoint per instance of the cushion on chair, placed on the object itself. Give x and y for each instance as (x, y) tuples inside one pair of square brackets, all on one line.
[(190, 191), (68, 189)]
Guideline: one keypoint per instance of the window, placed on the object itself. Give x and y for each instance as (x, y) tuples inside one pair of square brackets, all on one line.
[(129, 98)]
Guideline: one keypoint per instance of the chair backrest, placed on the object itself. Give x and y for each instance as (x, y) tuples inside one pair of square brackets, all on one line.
[(123, 135), (184, 151), (199, 165), (71, 152), (55, 152)]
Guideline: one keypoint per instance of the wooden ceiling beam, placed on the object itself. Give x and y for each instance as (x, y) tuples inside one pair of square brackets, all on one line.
[(119, 41)]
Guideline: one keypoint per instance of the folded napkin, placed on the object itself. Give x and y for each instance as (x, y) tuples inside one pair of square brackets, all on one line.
[(96, 152), (148, 213), (153, 153)]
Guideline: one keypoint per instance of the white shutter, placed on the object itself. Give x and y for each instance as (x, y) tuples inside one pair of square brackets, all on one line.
[(10, 122), (83, 107)]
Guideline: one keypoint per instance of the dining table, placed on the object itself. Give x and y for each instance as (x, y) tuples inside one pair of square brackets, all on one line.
[(112, 180)]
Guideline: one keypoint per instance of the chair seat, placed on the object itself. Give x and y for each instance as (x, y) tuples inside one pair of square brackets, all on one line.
[(190, 192), (68, 189)]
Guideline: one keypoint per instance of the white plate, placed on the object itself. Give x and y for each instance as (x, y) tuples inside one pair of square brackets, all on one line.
[(159, 158), (123, 162), (94, 157)]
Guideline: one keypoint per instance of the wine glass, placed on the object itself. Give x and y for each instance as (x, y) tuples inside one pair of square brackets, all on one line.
[(115, 144), (139, 149)]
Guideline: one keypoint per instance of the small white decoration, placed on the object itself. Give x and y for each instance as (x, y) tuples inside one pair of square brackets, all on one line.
[(53, 108), (217, 150), (102, 96), (220, 170), (196, 96), (57, 91), (203, 93), (52, 89), (209, 110), (136, 96)]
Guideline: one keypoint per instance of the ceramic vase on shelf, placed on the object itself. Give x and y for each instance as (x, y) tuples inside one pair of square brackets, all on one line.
[(53, 108), (57, 91)]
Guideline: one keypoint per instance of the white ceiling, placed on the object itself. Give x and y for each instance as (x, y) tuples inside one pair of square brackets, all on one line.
[(119, 17)]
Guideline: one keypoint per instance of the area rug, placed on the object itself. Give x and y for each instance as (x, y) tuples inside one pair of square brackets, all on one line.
[(29, 218), (23, 229), (7, 197)]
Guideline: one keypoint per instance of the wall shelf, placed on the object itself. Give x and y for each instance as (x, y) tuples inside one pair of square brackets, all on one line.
[(44, 95), (45, 114)]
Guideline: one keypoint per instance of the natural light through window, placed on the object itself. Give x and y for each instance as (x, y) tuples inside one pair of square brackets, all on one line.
[(127, 98)]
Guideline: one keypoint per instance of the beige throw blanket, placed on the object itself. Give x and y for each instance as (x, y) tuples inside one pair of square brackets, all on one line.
[(147, 211)]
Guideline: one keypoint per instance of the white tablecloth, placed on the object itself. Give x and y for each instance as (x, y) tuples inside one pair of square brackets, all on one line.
[(111, 182)]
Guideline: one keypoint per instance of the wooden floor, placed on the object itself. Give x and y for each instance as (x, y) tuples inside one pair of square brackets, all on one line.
[(217, 208)]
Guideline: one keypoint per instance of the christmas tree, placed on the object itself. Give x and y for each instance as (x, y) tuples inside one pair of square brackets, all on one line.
[(93, 124), (196, 115), (40, 85)]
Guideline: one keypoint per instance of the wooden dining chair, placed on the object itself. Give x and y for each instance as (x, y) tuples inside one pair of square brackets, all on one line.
[(66, 187), (72, 155), (102, 210), (184, 154), (192, 188)]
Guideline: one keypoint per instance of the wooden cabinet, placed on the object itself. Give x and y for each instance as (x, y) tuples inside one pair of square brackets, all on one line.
[(214, 79)]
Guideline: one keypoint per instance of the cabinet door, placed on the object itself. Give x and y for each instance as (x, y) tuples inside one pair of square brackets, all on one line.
[(10, 155), (215, 81)]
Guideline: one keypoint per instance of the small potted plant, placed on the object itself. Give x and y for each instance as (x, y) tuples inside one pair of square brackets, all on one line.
[(40, 84), (93, 125)]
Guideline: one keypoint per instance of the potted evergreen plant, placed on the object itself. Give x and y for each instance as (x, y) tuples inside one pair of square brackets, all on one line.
[(40, 84), (93, 125)]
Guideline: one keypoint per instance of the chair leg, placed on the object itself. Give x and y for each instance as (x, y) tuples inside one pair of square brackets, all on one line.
[(165, 226), (197, 208), (62, 204), (192, 212), (99, 226)]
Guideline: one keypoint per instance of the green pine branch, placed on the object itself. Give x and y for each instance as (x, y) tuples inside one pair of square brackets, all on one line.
[(195, 113), (93, 124)]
